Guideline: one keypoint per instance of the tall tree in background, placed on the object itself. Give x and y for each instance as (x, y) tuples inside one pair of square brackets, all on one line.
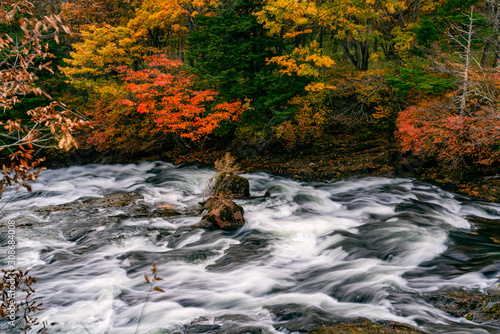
[(230, 49)]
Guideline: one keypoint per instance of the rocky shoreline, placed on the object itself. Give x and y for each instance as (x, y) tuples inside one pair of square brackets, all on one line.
[(348, 156)]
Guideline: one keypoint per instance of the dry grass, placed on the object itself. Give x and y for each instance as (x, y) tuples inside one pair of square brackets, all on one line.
[(224, 166)]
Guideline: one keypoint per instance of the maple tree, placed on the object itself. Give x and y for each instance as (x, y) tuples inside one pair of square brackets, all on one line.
[(432, 130), (23, 53), (166, 92), (167, 23), (78, 14)]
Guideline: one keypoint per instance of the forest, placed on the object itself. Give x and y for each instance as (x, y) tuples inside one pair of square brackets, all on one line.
[(177, 79), (342, 114)]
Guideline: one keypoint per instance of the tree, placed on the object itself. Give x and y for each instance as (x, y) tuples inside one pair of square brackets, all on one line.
[(230, 50), (23, 53), (80, 13), (491, 11), (463, 126), (93, 63), (167, 23), (166, 92)]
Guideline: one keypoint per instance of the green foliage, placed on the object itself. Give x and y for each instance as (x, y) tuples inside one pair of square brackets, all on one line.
[(417, 79), (427, 32), (433, 28), (229, 49)]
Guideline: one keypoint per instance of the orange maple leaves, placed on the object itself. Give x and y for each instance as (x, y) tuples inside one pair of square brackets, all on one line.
[(166, 92)]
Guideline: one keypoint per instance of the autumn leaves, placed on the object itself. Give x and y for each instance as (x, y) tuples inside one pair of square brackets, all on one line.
[(150, 75), (23, 54), (166, 92)]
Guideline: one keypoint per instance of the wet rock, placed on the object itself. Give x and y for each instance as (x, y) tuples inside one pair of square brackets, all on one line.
[(251, 247), (180, 235), (225, 324), (298, 318), (110, 201), (232, 185), (368, 327), (222, 214), (269, 191), (201, 328), (473, 305), (165, 211), (126, 202), (53, 208)]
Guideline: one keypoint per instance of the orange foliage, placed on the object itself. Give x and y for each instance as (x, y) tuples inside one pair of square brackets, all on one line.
[(166, 92), (114, 127)]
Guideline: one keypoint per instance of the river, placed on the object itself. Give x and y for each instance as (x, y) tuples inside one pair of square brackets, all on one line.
[(311, 253)]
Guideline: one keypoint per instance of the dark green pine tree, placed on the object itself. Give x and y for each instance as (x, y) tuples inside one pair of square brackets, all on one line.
[(229, 49)]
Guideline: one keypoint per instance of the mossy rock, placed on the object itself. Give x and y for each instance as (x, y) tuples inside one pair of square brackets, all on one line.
[(109, 201), (222, 214), (232, 185), (366, 327)]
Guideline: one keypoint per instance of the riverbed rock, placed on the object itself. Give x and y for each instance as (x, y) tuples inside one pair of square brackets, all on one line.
[(222, 214), (368, 327), (474, 305), (110, 201), (232, 185), (129, 203)]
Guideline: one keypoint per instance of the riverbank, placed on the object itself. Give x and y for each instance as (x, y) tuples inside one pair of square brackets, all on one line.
[(352, 156), (349, 155)]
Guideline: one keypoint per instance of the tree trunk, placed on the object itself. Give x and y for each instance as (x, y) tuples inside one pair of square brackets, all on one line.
[(467, 50)]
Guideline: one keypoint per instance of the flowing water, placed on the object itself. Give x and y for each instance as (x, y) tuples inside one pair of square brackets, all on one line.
[(311, 253)]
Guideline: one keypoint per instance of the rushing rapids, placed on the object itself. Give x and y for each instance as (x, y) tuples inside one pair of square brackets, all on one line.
[(310, 254)]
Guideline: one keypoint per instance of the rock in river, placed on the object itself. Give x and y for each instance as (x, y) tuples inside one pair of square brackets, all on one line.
[(233, 185), (222, 213)]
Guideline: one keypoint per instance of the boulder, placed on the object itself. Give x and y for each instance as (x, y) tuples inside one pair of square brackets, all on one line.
[(222, 214), (109, 201), (232, 185)]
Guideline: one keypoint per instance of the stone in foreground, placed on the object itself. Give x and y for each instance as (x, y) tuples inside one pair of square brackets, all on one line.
[(222, 214)]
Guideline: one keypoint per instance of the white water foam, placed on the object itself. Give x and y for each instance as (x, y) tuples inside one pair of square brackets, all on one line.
[(342, 248)]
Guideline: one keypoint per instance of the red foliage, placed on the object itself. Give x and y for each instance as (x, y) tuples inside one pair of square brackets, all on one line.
[(434, 130), (166, 92)]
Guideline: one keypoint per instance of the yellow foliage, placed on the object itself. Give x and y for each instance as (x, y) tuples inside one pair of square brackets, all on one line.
[(427, 6), (403, 39), (275, 14), (296, 33), (358, 20), (303, 61), (318, 86), (167, 16), (103, 49), (308, 124), (382, 111)]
